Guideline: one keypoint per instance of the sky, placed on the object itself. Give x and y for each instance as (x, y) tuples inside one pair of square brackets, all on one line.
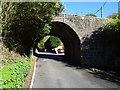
[(83, 8)]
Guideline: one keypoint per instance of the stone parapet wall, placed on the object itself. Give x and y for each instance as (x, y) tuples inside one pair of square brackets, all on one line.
[(85, 24)]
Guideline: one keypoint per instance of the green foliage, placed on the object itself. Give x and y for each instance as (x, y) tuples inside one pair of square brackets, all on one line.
[(14, 75), (41, 43), (52, 42), (112, 25), (91, 14), (25, 22), (113, 16), (112, 35)]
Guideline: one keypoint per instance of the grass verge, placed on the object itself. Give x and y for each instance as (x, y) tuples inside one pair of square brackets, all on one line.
[(13, 75)]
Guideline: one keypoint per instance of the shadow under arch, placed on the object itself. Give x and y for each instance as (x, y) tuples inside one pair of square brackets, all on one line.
[(70, 40)]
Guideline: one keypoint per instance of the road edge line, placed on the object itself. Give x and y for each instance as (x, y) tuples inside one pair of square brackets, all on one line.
[(33, 76)]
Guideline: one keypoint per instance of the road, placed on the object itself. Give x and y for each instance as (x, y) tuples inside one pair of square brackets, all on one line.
[(51, 73)]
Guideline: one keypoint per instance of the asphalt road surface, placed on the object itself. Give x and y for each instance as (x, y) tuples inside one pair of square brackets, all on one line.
[(52, 73)]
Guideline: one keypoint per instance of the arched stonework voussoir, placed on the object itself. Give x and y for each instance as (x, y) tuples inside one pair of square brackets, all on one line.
[(69, 23)]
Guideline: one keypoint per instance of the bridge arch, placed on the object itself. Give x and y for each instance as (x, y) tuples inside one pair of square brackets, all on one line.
[(65, 30)]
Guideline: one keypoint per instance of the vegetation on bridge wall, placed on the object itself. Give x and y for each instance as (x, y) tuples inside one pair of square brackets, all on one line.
[(91, 14), (111, 34), (113, 16), (102, 48)]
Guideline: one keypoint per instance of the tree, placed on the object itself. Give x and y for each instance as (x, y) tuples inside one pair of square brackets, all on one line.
[(40, 45), (91, 14), (113, 16), (52, 42), (25, 23)]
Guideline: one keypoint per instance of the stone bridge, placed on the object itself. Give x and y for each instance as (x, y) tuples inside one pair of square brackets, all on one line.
[(72, 30)]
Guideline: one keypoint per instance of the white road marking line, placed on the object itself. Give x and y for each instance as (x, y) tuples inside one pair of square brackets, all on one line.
[(33, 76)]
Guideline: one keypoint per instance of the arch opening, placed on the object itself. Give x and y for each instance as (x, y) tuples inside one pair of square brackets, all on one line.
[(51, 44), (70, 40), (50, 47)]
